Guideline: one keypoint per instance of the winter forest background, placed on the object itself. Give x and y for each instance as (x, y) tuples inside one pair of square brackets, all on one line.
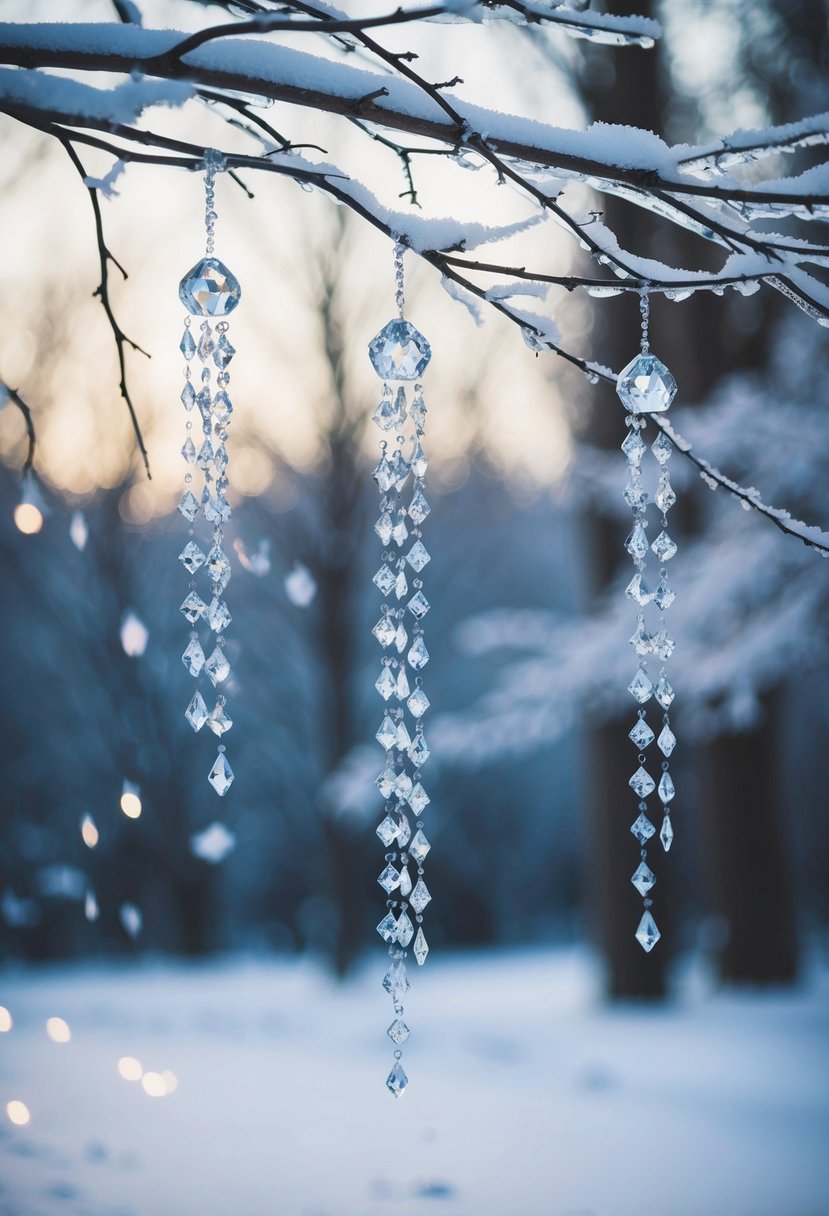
[(234, 940)]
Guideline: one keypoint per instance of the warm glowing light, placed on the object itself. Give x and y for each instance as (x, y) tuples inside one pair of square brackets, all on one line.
[(130, 1068), (58, 1030), (18, 1113), (89, 831), (29, 520), (134, 635), (5, 1019), (170, 1081), (154, 1084), (131, 800)]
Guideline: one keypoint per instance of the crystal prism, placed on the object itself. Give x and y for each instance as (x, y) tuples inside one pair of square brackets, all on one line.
[(191, 557), (420, 949), (403, 739), (383, 528), (193, 607), (384, 631), (218, 721), (420, 896), (418, 410), (664, 693), (666, 835), (642, 783), (389, 879), (419, 847), (417, 557), (193, 657), (384, 580), (418, 605), (387, 831), (387, 415), (646, 386), (188, 396), (398, 1032), (641, 640), (647, 934), (218, 615), (383, 475), (223, 352), (418, 752), (637, 590), (188, 450), (405, 883), (641, 735), (401, 689), (396, 981), (387, 733), (206, 455), (666, 741), (664, 497), (663, 597), (637, 543), (399, 351), (221, 775), (418, 656), (205, 346), (187, 347), (222, 407), (217, 666), (664, 547), (405, 929), (419, 799), (209, 289), (640, 687), (643, 829), (403, 786), (188, 506), (634, 447), (662, 448), (196, 711), (419, 508), (667, 790), (385, 683), (397, 1080), (386, 781), (643, 878), (388, 928), (218, 567), (419, 462), (418, 703)]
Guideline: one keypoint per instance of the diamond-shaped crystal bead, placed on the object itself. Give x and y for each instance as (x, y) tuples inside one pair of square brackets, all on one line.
[(401, 638), (667, 790), (664, 693), (188, 450), (206, 455), (666, 834), (188, 506), (404, 831), (193, 607), (420, 949), (222, 406), (421, 896), (665, 496), (419, 752), (387, 734), (398, 1032), (418, 605), (217, 666), (399, 351), (401, 689), (218, 567), (397, 1080), (218, 721), (634, 447), (388, 928), (386, 781), (635, 494), (402, 739), (400, 533), (419, 508), (188, 395), (405, 929), (188, 348), (221, 775), (647, 933), (643, 829), (387, 415), (662, 644), (419, 462), (417, 557), (196, 711), (641, 735), (223, 352), (389, 879), (419, 846), (401, 587), (387, 830), (637, 542), (384, 631), (218, 615), (666, 741), (396, 980), (641, 640), (384, 580), (643, 878), (662, 448), (193, 657), (385, 683), (418, 703), (383, 528), (663, 597), (191, 557), (640, 687), (664, 547), (405, 883), (646, 386), (209, 289), (205, 346), (637, 590), (642, 783), (418, 655), (419, 799), (403, 786)]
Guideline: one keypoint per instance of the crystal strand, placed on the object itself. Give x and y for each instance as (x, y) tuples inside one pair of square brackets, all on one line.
[(646, 386), (209, 290), (399, 353)]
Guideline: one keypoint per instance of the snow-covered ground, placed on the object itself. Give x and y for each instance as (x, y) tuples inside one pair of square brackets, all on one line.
[(527, 1096)]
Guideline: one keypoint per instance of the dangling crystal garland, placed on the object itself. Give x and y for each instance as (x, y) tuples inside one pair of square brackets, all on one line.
[(208, 290), (646, 386), (399, 355)]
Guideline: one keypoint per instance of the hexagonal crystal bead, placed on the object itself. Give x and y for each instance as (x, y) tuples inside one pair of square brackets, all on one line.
[(209, 289), (399, 351), (646, 386)]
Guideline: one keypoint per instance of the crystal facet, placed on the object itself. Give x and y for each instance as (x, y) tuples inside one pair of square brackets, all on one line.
[(221, 775), (664, 547), (387, 734), (637, 542), (667, 791), (663, 597), (397, 1080), (188, 506), (417, 557), (664, 693), (642, 783), (388, 928), (419, 847), (218, 615), (418, 655), (634, 447), (396, 981), (218, 721), (191, 557), (640, 687), (418, 605), (384, 631), (196, 711), (385, 683), (637, 590), (420, 949), (419, 799), (421, 896), (387, 831), (647, 934), (643, 829), (399, 351), (405, 929), (193, 657), (666, 834), (209, 289), (398, 1032), (665, 496), (418, 703), (646, 386), (643, 878), (384, 580), (666, 741), (419, 508), (641, 735), (193, 607)]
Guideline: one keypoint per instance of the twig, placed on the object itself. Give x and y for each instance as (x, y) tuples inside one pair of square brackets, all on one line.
[(14, 395)]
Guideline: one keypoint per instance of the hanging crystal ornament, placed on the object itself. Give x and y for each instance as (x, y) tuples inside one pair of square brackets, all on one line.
[(399, 355), (645, 387), (208, 291)]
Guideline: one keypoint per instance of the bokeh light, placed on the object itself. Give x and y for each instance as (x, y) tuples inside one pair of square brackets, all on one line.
[(28, 518), (89, 831), (131, 800), (6, 1022), (154, 1084), (18, 1113), (58, 1030), (130, 1068)]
